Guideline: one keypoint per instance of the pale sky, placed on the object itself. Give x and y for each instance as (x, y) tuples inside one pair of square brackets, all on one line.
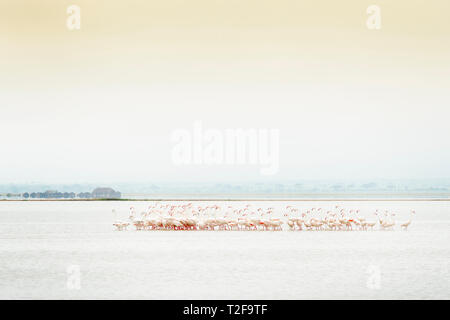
[(99, 104)]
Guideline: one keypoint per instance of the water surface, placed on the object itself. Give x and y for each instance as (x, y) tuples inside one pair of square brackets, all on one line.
[(40, 240)]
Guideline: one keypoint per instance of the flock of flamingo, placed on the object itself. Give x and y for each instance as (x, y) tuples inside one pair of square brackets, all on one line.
[(165, 216)]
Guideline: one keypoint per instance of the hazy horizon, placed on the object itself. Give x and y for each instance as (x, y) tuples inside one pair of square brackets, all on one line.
[(416, 188)]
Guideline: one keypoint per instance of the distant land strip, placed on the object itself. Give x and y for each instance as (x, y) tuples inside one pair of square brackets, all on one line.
[(233, 199)]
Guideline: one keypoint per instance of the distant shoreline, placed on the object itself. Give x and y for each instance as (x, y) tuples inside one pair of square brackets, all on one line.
[(231, 199)]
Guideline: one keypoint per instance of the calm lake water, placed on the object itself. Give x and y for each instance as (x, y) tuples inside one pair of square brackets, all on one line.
[(43, 244)]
